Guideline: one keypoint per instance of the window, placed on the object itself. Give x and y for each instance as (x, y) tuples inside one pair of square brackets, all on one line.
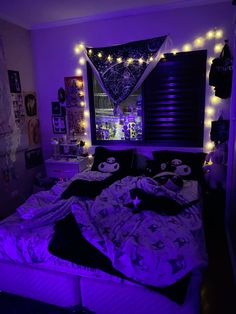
[(167, 110)]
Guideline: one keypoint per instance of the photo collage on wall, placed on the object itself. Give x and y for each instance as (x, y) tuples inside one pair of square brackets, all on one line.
[(26, 117), (74, 94)]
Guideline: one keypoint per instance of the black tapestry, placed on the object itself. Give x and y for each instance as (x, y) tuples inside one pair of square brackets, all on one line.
[(121, 69)]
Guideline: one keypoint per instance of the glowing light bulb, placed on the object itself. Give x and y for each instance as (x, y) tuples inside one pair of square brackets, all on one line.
[(83, 124), (210, 111), (82, 61), (86, 113), (78, 72), (219, 34), (151, 59), (109, 58), (210, 34), (80, 83), (119, 60), (90, 156), (77, 49), (130, 60), (218, 48), (215, 100), (174, 51), (99, 55), (81, 93), (207, 123), (140, 60), (187, 47), (85, 133), (209, 145), (199, 42), (90, 52), (210, 60), (82, 103)]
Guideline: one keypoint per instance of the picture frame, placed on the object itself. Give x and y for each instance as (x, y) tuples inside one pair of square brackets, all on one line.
[(56, 108), (14, 81), (33, 158), (59, 124)]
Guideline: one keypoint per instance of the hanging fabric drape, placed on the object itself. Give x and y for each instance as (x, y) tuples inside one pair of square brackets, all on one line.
[(121, 69)]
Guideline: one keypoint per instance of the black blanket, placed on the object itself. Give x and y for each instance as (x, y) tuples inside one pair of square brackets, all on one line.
[(68, 243)]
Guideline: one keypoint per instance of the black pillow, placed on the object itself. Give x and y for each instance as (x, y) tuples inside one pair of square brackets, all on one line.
[(186, 164), (113, 161)]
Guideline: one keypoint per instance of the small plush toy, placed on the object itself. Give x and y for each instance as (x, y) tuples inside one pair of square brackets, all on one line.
[(215, 169)]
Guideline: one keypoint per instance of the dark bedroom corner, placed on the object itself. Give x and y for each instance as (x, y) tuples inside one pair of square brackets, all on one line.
[(117, 157)]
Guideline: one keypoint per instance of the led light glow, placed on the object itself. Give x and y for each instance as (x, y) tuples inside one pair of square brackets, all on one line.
[(99, 55), (219, 34), (82, 61), (218, 48), (130, 60), (207, 123), (174, 51), (90, 52), (109, 58), (210, 60), (187, 47), (140, 61), (199, 42), (210, 111), (86, 113), (82, 103), (215, 100), (119, 60), (210, 34), (78, 71), (209, 145)]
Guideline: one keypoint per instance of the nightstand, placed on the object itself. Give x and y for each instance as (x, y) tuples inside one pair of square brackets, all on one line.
[(65, 168)]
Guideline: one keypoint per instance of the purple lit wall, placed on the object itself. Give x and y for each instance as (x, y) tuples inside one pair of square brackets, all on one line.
[(54, 57)]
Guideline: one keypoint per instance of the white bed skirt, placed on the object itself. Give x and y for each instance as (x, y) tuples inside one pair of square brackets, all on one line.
[(103, 296)]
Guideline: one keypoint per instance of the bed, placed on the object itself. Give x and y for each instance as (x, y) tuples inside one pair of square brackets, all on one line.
[(132, 256)]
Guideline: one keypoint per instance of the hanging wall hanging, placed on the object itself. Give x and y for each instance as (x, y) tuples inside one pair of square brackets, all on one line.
[(121, 69)]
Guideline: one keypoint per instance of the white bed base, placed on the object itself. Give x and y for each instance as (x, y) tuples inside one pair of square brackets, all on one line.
[(102, 296)]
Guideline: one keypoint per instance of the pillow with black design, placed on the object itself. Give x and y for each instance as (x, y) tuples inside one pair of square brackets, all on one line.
[(113, 161), (186, 164)]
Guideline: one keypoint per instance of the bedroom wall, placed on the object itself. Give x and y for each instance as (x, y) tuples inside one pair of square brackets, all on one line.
[(53, 49), (16, 182)]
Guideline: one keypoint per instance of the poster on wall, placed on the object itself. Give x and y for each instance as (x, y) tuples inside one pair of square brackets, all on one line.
[(33, 131), (6, 117), (18, 108), (74, 91), (33, 158), (59, 124), (75, 118), (30, 104), (14, 81)]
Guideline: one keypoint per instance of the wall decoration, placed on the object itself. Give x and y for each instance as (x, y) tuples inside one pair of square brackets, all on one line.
[(33, 131), (14, 81), (59, 124), (6, 119), (56, 108), (61, 95), (74, 91), (18, 108), (33, 158), (30, 104), (75, 119)]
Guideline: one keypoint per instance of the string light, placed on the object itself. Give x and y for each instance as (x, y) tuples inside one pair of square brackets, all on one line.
[(109, 58), (219, 34), (218, 48), (187, 47), (99, 55), (199, 42), (90, 52), (86, 113), (210, 111), (140, 61), (215, 100), (130, 60), (207, 123), (174, 51), (209, 145), (82, 61), (78, 71), (210, 60), (119, 60), (82, 103), (210, 34)]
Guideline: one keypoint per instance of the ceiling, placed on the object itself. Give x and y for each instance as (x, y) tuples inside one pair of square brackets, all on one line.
[(47, 13)]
